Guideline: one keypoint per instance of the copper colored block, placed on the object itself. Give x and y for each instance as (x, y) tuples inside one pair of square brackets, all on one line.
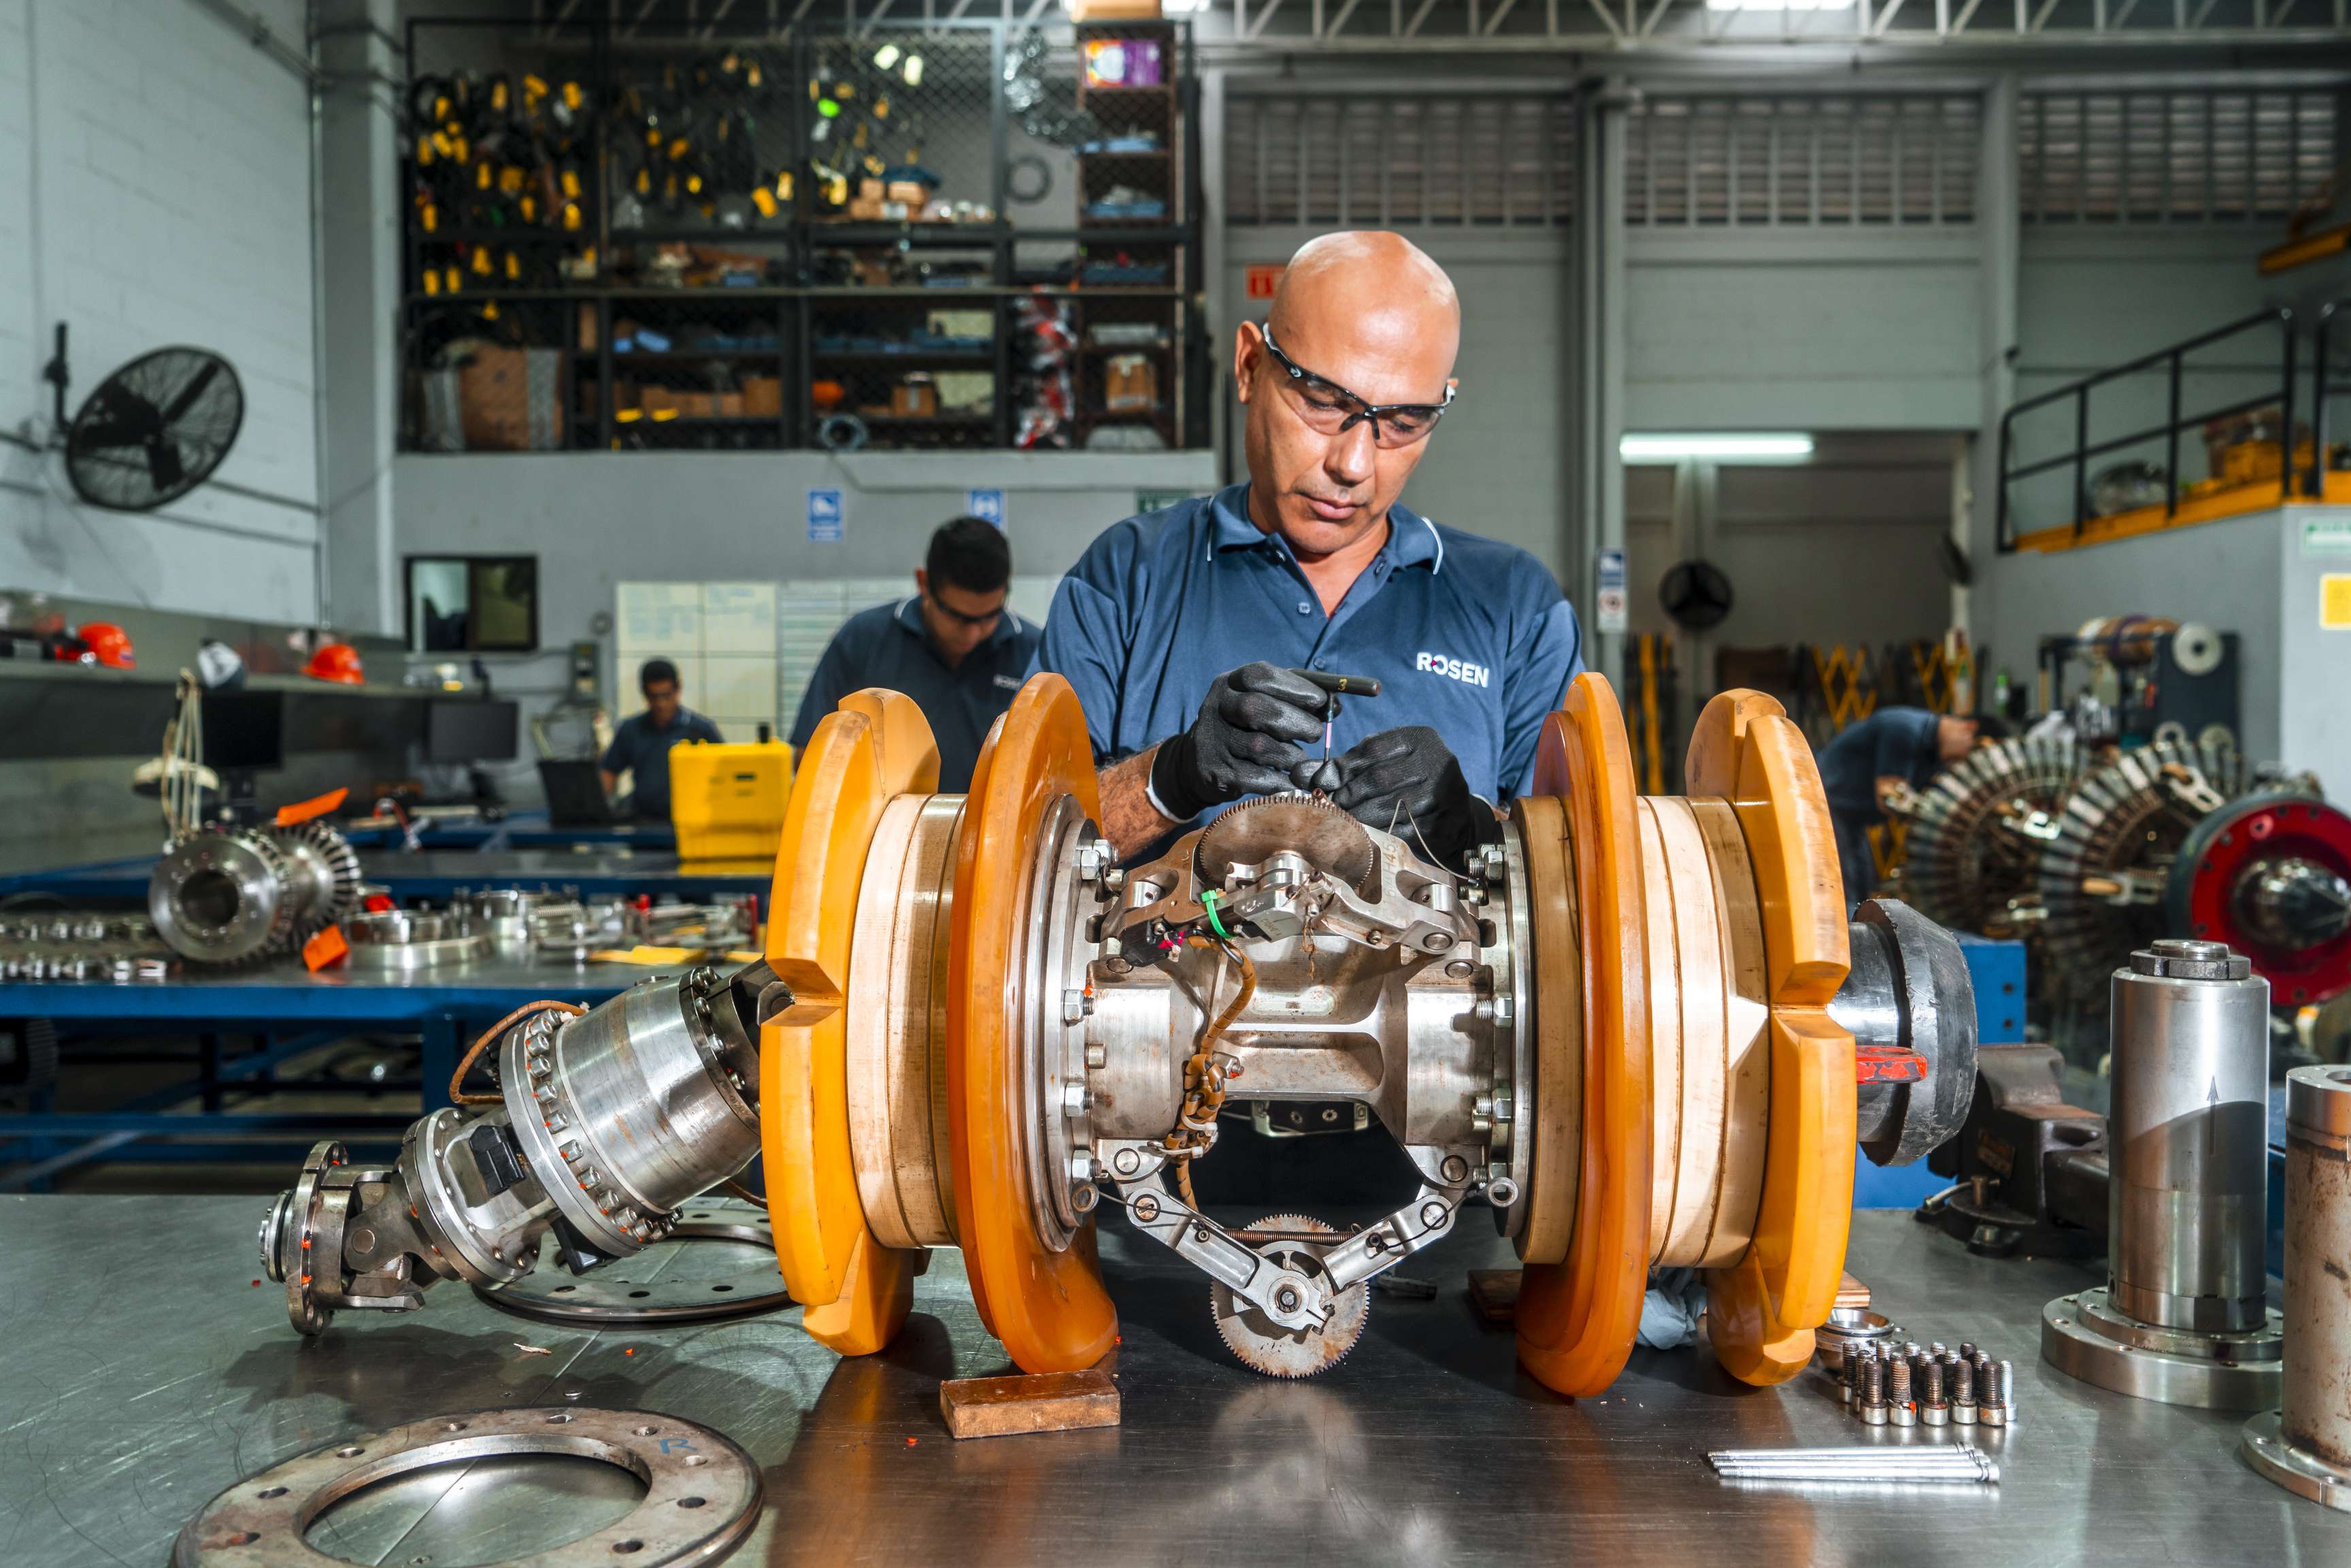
[(1495, 1293), (1047, 1402)]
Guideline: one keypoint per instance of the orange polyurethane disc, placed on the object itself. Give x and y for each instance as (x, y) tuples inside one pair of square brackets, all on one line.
[(1049, 1308), (1576, 1319), (857, 1291), (1763, 1309)]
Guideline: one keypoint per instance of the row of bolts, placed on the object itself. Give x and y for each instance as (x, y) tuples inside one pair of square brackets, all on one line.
[(1927, 1386)]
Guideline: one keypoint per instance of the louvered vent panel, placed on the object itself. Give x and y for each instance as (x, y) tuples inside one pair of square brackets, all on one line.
[(2250, 156), (1747, 162), (1497, 159)]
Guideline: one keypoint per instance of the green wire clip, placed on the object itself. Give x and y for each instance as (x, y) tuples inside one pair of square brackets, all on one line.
[(1208, 904)]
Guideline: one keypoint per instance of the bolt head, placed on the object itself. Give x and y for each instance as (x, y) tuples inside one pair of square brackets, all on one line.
[(1146, 1208), (1097, 1057), (1074, 1099), (1433, 1215), (1455, 1168)]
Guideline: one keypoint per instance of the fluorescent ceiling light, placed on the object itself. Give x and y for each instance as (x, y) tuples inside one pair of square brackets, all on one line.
[(1721, 448)]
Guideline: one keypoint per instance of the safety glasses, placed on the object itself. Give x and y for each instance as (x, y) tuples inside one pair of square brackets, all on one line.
[(1328, 409), (981, 622)]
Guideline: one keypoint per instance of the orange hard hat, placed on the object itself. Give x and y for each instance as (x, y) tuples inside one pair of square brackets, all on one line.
[(336, 662), (108, 643)]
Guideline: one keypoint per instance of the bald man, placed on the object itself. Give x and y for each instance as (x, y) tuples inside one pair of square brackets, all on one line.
[(1182, 630)]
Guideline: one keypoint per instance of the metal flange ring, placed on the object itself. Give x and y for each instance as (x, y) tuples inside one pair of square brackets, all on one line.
[(551, 1295), (702, 1492)]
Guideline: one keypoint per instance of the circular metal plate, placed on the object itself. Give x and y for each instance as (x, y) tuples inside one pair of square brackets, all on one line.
[(2298, 1471), (652, 1297), (702, 1492), (2085, 1336), (1308, 826)]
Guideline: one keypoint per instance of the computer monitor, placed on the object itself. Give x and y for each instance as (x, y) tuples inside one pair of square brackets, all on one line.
[(467, 731), (245, 732)]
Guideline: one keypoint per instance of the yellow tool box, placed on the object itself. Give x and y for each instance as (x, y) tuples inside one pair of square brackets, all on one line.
[(726, 800)]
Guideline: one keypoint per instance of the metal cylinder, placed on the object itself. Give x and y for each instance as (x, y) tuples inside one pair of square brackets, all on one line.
[(2187, 1138), (2315, 1404)]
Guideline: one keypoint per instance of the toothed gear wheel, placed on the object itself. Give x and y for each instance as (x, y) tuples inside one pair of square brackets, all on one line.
[(1264, 1345), (1971, 850), (2130, 816), (1309, 826), (224, 897), (334, 871)]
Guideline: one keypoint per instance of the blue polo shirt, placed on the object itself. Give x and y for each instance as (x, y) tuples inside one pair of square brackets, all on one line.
[(888, 646), (1893, 742), (1464, 634), (639, 748)]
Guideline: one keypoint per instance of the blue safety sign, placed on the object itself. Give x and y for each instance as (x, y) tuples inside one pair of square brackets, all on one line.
[(827, 512), (988, 506)]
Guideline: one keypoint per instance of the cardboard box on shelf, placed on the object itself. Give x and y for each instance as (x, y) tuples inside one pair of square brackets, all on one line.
[(656, 400), (1130, 385), (916, 397), (1114, 10), (729, 405), (763, 396), (912, 193), (870, 189), (865, 211), (511, 400)]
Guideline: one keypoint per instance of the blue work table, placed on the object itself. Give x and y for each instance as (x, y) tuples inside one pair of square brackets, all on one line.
[(288, 1012), (593, 871)]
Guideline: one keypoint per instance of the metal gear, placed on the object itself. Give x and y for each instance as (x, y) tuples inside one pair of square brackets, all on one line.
[(2102, 879), (1308, 826), (333, 867), (1978, 829), (1264, 1345)]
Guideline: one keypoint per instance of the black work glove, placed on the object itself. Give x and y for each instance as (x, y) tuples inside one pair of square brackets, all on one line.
[(1245, 741), (1407, 782)]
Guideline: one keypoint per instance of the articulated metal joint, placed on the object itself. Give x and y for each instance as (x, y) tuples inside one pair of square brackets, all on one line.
[(1910, 1007), (608, 1122)]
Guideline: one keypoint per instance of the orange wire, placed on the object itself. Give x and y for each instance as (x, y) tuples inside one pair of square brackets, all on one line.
[(458, 1095)]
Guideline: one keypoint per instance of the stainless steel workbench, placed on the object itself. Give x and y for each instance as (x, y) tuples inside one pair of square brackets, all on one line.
[(141, 1371)]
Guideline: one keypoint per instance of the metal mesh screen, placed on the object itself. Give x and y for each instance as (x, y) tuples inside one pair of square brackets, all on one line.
[(1725, 162), (2174, 156), (1499, 160)]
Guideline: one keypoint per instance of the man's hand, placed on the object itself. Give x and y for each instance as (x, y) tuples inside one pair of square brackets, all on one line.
[(1245, 741), (1407, 782)]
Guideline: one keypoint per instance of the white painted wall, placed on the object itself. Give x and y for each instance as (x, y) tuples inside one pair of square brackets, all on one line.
[(596, 519), (155, 189)]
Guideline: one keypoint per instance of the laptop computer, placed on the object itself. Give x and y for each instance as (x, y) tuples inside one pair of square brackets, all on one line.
[(575, 794)]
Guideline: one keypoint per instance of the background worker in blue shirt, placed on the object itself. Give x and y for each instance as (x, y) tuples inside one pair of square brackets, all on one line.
[(1179, 629), (1893, 748), (954, 646), (640, 746)]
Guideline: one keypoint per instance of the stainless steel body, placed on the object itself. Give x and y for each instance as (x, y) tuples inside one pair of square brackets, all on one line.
[(236, 895), (607, 1123), (2184, 1317), (2305, 1445), (1426, 1445), (405, 940), (2186, 1139)]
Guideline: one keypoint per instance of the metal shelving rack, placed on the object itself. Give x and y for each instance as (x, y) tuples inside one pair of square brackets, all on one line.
[(782, 312)]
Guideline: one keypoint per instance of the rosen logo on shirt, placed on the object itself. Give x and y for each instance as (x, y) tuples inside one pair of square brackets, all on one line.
[(1008, 683), (1461, 670)]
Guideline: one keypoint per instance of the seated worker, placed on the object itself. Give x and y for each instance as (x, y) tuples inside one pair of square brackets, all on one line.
[(640, 746), (953, 645), (1894, 748), (1313, 564)]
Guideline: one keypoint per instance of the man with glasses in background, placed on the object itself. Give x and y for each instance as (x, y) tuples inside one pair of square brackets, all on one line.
[(1183, 631), (953, 645)]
